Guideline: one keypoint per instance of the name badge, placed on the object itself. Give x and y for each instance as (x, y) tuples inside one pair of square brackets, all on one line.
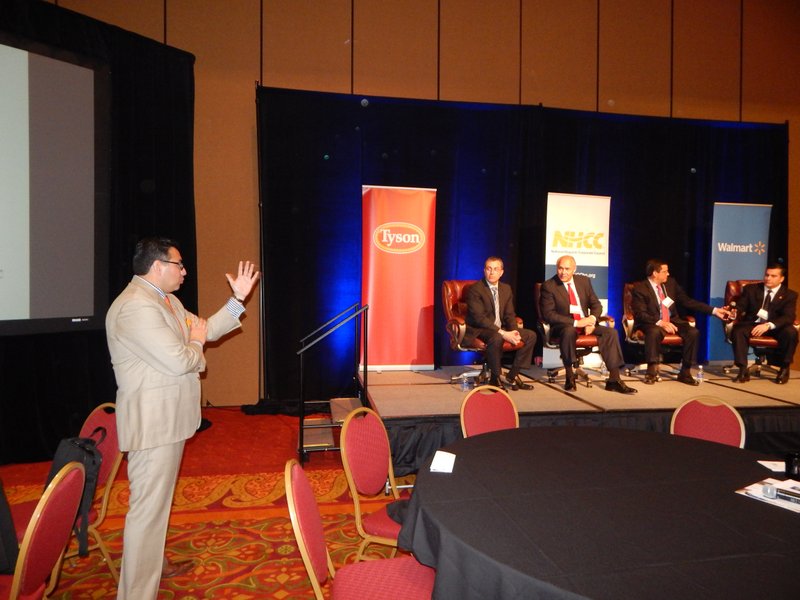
[(575, 309), (763, 315), (667, 302)]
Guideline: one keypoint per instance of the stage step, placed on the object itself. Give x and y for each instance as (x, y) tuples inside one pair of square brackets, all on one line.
[(318, 431)]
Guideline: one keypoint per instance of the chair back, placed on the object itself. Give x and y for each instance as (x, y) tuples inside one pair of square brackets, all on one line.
[(709, 418), (455, 310), (48, 532), (487, 408), (105, 416), (734, 287), (627, 315), (366, 454), (307, 526)]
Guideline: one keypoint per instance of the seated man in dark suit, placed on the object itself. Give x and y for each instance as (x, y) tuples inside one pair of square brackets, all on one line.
[(569, 304), (492, 319), (654, 303), (766, 310)]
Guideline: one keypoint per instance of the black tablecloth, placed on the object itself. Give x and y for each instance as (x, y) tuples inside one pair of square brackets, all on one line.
[(569, 512)]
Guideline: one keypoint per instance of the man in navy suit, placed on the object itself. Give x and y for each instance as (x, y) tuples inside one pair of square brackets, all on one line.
[(654, 301), (492, 319), (766, 310), (569, 304)]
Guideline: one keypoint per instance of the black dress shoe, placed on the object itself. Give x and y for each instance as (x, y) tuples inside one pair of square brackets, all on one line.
[(619, 386), (783, 376), (494, 381), (650, 379), (517, 384), (569, 384), (686, 377), (743, 376)]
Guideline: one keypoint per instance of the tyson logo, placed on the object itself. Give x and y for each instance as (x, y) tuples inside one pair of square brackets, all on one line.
[(398, 238)]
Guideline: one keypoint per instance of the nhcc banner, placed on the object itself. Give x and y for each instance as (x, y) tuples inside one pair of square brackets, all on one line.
[(739, 250), (578, 225), (398, 226)]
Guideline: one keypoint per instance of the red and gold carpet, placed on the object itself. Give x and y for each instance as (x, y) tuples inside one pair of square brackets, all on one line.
[(229, 515)]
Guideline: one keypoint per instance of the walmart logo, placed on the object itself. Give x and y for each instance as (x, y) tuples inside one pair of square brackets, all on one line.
[(759, 248)]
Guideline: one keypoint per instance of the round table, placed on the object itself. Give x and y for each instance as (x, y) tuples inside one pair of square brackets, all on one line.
[(572, 512)]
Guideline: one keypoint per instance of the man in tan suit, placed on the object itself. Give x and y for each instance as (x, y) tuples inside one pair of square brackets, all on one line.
[(156, 349)]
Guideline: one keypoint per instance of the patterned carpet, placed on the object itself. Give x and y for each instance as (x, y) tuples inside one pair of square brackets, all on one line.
[(229, 515)]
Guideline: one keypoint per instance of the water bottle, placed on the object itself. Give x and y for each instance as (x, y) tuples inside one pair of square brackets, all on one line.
[(700, 374), (464, 383)]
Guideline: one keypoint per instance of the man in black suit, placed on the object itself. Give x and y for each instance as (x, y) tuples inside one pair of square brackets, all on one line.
[(766, 310), (569, 304), (492, 319), (654, 303)]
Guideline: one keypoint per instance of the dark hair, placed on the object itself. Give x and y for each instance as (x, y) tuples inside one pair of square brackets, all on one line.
[(494, 259), (653, 265), (149, 250), (777, 265)]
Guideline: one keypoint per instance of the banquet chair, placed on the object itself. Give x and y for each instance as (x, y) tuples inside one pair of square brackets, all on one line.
[(708, 418), (585, 344), (104, 416), (487, 408), (634, 338), (455, 311), (46, 535), (762, 347), (367, 462), (401, 578)]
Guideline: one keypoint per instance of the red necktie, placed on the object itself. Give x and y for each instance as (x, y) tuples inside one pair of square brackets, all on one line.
[(573, 301), (664, 309)]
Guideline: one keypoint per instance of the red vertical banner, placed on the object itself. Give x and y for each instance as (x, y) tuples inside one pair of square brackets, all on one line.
[(398, 227)]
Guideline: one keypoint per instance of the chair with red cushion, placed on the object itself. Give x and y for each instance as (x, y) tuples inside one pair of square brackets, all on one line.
[(104, 416), (46, 535), (401, 578), (367, 462), (487, 408), (709, 418), (454, 303)]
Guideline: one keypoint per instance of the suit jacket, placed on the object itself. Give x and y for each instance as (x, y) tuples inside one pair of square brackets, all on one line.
[(554, 300), (156, 368), (646, 310), (480, 307), (781, 309)]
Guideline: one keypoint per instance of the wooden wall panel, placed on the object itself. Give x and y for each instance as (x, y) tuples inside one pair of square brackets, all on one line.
[(145, 17), (706, 59), (396, 48), (635, 57), (559, 53), (479, 54), (226, 191), (307, 45)]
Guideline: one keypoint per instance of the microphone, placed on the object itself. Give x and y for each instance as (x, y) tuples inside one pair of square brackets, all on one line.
[(774, 493), (732, 309)]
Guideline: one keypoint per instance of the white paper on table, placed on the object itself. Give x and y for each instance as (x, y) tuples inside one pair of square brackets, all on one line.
[(443, 462), (776, 466), (756, 490)]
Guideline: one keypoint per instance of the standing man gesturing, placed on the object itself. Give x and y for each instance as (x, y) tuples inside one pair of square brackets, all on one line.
[(156, 349)]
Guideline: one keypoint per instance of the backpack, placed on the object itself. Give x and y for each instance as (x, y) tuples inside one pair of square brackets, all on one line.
[(83, 450)]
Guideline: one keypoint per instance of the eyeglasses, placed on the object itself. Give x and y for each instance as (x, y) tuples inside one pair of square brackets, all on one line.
[(172, 262)]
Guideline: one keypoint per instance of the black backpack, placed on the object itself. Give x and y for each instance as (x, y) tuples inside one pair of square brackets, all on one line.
[(83, 450)]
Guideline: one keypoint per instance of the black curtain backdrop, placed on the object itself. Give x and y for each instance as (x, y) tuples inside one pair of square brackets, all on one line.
[(493, 166), (49, 383)]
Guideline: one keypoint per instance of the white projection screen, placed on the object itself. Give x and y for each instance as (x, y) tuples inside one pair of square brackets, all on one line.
[(53, 191)]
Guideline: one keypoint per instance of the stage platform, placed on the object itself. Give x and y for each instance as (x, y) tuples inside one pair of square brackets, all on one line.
[(421, 408)]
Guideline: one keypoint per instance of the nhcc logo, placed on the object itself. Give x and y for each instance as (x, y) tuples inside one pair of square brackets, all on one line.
[(578, 239), (398, 238)]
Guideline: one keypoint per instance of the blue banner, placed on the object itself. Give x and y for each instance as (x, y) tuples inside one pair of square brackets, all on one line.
[(739, 245)]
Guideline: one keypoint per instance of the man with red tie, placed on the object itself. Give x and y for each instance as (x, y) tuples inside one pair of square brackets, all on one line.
[(654, 301), (766, 310), (492, 319), (569, 304)]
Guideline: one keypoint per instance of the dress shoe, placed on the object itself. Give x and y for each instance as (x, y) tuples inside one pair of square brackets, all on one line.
[(176, 569), (650, 379), (743, 376), (517, 384), (686, 377), (783, 375), (569, 384), (495, 381), (619, 386)]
